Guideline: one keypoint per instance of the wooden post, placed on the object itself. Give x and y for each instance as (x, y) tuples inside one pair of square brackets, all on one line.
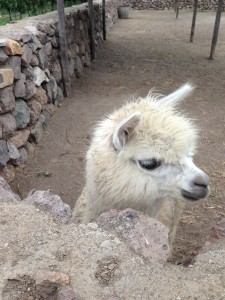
[(103, 20), (63, 48), (216, 28), (177, 8), (194, 20), (91, 27)]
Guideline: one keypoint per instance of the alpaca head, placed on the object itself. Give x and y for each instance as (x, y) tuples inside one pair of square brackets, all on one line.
[(144, 152)]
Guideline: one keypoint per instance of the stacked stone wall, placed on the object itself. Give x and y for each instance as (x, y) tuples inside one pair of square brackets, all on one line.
[(169, 4), (31, 84)]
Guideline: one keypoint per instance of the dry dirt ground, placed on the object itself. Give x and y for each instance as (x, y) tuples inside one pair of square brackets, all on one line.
[(150, 49)]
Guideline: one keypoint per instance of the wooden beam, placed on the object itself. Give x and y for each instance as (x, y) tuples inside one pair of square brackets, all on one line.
[(103, 20), (177, 2), (63, 48), (194, 21), (91, 27), (216, 28)]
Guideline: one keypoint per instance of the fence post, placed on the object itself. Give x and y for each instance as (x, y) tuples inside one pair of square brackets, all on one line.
[(63, 48)]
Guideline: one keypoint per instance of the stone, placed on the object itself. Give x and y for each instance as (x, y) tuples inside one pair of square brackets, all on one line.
[(36, 133), (42, 37), (28, 72), (56, 70), (71, 67), (82, 48), (46, 27), (27, 55), (54, 42), (3, 57), (20, 138), (14, 62), (36, 109), (52, 88), (8, 173), (19, 87), (39, 76), (68, 294), (46, 119), (145, 236), (35, 44), (13, 151), (6, 194), (51, 203), (7, 99), (59, 99), (87, 60), (30, 89), (34, 60), (48, 48), (29, 148), (6, 77), (40, 96), (26, 37), (12, 48), (78, 67), (8, 124), (4, 154), (21, 114), (50, 108), (21, 159), (43, 58)]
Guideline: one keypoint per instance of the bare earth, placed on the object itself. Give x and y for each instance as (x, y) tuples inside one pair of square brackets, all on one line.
[(150, 49)]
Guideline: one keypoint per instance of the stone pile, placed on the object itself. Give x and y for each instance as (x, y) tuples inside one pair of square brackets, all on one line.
[(31, 84), (169, 4)]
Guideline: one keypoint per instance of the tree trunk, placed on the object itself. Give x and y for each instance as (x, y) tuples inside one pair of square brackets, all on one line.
[(91, 27), (194, 20), (103, 20), (216, 28)]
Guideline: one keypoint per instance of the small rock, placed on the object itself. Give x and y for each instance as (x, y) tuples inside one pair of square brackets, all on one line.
[(3, 57), (22, 158), (7, 99), (8, 124), (8, 173), (26, 37), (30, 89), (43, 58), (12, 48), (37, 132), (29, 148), (40, 96), (6, 194), (36, 109), (13, 151), (46, 201), (6, 77), (39, 76), (47, 118), (42, 276), (19, 87), (4, 154), (144, 235), (59, 99), (20, 138), (78, 67), (27, 55), (14, 63), (34, 60), (56, 70), (28, 72), (21, 114)]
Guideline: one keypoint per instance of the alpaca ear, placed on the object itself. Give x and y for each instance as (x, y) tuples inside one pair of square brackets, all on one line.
[(124, 131), (177, 96)]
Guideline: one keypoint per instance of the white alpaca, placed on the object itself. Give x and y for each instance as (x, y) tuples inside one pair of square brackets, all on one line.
[(141, 157)]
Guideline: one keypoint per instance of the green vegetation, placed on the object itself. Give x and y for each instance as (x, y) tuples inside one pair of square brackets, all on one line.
[(12, 10)]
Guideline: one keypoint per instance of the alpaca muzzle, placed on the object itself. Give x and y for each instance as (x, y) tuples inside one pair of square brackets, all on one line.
[(199, 188)]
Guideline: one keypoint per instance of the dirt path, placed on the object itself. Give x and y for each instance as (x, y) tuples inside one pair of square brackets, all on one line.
[(150, 49)]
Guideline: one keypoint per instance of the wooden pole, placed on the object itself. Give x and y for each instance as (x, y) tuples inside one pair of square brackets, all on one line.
[(194, 20), (216, 28), (91, 27), (103, 20), (63, 48), (177, 8)]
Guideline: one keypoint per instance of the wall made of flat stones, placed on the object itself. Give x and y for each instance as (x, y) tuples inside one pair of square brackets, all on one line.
[(31, 86), (168, 4)]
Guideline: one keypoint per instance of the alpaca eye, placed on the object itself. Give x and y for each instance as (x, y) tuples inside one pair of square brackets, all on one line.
[(149, 164)]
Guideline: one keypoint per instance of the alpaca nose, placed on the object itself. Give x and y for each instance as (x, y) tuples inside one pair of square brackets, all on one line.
[(201, 180)]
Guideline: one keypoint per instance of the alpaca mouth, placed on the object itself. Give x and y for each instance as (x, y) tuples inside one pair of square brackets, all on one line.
[(194, 196)]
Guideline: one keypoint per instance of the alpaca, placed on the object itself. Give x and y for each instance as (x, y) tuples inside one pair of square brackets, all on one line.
[(141, 157)]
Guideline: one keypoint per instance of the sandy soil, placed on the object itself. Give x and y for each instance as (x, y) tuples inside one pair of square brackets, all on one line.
[(150, 49)]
